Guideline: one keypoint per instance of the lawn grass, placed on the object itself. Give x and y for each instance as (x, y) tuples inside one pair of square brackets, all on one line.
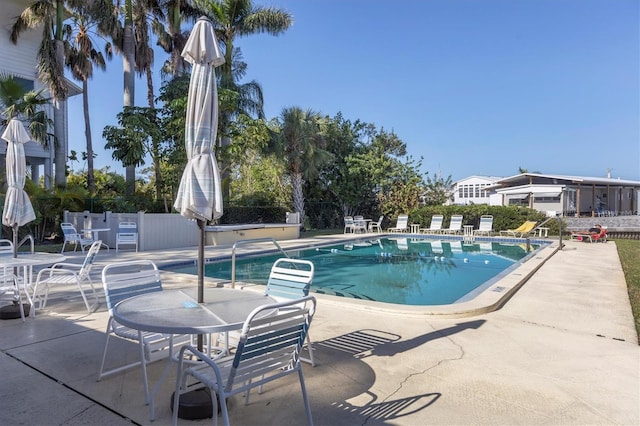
[(629, 253)]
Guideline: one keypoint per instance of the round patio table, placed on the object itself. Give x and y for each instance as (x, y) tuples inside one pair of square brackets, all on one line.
[(177, 312)]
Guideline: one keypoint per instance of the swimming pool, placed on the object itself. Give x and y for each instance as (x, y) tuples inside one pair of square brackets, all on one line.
[(408, 271)]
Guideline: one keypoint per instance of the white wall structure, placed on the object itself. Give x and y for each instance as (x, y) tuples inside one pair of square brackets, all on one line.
[(19, 60), (570, 195), (472, 190)]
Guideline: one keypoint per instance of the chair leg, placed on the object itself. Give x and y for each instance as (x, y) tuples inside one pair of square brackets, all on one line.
[(307, 406)]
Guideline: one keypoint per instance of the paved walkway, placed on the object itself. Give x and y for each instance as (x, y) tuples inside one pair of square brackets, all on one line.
[(562, 350)]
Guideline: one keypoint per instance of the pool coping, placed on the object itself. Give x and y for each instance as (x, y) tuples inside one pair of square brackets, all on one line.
[(492, 298)]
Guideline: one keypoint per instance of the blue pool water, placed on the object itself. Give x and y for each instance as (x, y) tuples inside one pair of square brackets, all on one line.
[(408, 271)]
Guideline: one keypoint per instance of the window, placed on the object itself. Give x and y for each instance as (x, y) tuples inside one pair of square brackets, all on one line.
[(27, 85)]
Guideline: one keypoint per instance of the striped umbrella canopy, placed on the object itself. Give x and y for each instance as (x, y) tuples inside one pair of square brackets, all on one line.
[(18, 210), (200, 192)]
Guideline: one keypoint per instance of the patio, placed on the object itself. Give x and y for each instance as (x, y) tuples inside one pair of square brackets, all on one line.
[(563, 350)]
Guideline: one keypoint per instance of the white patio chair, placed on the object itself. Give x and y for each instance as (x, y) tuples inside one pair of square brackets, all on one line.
[(121, 281), (435, 227), (455, 225), (376, 226), (67, 274), (9, 289), (288, 279), (269, 349), (401, 224), (127, 235), (486, 225), (71, 235)]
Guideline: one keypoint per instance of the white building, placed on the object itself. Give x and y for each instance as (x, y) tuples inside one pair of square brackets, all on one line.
[(473, 190), (19, 60), (553, 194)]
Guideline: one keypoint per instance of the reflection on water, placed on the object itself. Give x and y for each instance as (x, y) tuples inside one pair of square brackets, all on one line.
[(409, 271)]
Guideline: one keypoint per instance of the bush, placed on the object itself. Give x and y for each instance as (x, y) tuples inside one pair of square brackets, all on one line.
[(504, 217)]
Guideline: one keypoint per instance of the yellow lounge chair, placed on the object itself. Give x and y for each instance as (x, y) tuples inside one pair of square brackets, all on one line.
[(522, 230)]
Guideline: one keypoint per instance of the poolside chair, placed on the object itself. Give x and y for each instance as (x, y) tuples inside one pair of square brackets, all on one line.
[(455, 225), (401, 224), (124, 280), (525, 229), (353, 226), (435, 227), (269, 349), (377, 226), (67, 274), (127, 235), (71, 235), (288, 279), (9, 285), (486, 225)]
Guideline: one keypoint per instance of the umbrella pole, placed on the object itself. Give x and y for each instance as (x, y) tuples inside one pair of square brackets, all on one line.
[(201, 224)]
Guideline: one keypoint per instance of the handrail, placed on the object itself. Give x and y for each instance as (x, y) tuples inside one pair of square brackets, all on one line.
[(255, 240), (30, 238)]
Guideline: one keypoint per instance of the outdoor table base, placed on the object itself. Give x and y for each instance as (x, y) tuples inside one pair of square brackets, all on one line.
[(13, 311)]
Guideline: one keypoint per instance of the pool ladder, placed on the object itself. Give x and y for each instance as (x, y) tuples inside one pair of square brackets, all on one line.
[(241, 242)]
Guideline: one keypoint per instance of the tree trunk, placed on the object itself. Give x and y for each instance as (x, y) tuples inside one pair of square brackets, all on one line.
[(128, 64), (60, 144), (91, 183), (298, 196)]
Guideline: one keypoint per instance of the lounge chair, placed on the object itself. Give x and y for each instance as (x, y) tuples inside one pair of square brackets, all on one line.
[(591, 237), (435, 227), (401, 224), (486, 225), (525, 229), (455, 225)]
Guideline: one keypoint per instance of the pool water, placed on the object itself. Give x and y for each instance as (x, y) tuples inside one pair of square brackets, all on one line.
[(408, 271)]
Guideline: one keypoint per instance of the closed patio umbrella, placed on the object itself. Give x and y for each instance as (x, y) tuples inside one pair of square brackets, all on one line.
[(200, 193), (18, 210)]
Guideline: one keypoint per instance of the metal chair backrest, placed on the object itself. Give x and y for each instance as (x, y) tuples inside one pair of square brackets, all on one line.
[(127, 230), (270, 343), (6, 247), (436, 222), (403, 221), (83, 274), (455, 224), (123, 280), (290, 278), (486, 223), (69, 231)]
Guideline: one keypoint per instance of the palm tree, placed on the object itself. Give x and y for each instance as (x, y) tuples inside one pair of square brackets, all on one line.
[(172, 39), (49, 14), (240, 18), (81, 57), (127, 26), (301, 143), (16, 102)]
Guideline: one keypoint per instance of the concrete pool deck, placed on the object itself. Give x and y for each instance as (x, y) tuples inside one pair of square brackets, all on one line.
[(562, 350)]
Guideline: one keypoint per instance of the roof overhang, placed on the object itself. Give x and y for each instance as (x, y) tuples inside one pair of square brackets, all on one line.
[(535, 190)]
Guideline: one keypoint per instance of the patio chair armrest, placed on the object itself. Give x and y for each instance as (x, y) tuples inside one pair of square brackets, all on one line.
[(65, 265), (55, 271)]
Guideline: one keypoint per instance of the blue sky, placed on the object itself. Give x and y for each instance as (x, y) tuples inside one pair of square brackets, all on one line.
[(475, 87)]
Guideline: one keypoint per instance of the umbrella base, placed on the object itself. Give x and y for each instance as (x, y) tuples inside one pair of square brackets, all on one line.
[(13, 311), (195, 405)]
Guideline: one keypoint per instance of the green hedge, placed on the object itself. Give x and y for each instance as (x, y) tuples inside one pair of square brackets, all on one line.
[(253, 214), (504, 217)]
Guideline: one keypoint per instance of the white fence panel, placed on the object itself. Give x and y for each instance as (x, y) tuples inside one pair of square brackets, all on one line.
[(155, 230)]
